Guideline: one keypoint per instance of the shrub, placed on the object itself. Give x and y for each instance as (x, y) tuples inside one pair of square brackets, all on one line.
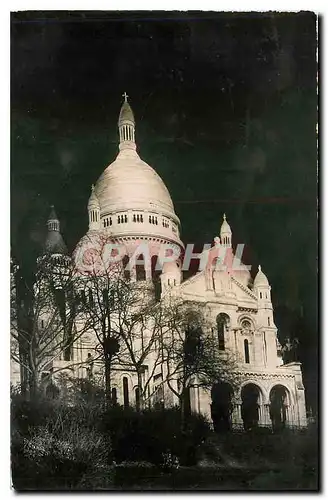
[(55, 446)]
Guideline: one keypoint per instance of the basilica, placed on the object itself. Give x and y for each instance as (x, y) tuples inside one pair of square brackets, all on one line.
[(131, 205)]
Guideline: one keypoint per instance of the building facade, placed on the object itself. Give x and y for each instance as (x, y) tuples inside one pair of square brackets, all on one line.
[(131, 205)]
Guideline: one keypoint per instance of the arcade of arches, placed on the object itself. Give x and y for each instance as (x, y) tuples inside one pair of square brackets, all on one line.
[(250, 407)]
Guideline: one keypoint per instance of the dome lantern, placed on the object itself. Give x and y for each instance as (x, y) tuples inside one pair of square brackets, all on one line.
[(225, 233), (126, 126), (94, 210)]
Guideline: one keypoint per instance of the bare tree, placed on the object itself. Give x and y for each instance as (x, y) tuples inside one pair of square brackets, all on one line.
[(45, 320), (125, 318), (141, 331), (192, 354)]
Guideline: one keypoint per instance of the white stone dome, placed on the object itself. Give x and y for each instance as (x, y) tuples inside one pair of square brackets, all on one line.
[(130, 183), (225, 228), (134, 203), (93, 202)]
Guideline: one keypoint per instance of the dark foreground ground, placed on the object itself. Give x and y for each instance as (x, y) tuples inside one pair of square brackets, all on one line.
[(86, 446), (234, 461)]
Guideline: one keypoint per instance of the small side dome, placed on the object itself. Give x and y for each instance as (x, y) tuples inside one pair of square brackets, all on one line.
[(225, 228), (93, 202), (54, 243), (260, 279)]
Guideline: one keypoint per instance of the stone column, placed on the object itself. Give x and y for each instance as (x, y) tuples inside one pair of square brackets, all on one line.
[(204, 403), (265, 413), (301, 408), (291, 416), (236, 418)]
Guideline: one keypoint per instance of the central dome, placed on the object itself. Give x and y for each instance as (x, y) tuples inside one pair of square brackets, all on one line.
[(130, 183), (130, 201)]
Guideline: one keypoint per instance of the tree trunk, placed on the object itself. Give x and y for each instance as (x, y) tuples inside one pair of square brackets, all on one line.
[(33, 385), (108, 389), (185, 406), (140, 399), (23, 372), (182, 414)]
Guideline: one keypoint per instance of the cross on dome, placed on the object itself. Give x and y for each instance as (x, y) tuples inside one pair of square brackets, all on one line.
[(125, 95)]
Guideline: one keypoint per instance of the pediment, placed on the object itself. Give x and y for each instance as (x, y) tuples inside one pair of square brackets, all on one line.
[(243, 293), (194, 286)]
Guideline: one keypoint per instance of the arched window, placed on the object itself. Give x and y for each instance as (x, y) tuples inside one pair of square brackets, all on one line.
[(83, 297), (156, 273), (260, 295), (222, 322), (125, 392), (246, 350), (134, 217), (105, 297), (126, 272), (114, 396), (125, 218), (246, 325), (140, 268), (268, 320), (90, 297)]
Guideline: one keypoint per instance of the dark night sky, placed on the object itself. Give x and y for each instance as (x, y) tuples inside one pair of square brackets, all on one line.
[(225, 109)]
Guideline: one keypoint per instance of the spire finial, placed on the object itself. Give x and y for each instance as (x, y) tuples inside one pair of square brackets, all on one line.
[(125, 95), (92, 188), (260, 269), (224, 217)]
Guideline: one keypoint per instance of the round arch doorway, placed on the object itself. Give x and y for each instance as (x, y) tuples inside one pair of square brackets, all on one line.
[(221, 406), (250, 407)]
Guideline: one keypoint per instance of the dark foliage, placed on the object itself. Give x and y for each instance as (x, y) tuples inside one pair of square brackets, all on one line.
[(60, 446), (149, 435), (57, 446)]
